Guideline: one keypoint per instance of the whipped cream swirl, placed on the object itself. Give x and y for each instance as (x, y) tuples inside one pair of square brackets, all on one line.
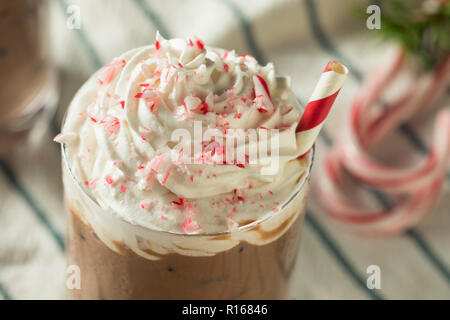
[(118, 136)]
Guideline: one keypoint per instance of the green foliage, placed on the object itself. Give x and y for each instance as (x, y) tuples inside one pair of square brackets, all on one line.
[(422, 28)]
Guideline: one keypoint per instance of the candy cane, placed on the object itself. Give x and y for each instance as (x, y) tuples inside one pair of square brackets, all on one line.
[(419, 185)]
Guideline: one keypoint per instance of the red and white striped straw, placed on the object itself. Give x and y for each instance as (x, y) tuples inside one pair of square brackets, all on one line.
[(316, 111)]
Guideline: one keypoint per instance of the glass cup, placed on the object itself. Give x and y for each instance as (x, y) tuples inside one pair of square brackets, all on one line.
[(118, 260), (27, 82)]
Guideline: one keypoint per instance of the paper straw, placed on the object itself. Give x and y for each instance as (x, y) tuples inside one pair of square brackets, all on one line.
[(316, 111)]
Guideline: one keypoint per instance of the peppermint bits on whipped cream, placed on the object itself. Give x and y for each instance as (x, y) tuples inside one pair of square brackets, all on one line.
[(135, 112)]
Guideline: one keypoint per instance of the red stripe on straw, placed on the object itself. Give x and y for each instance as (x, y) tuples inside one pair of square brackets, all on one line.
[(334, 66), (315, 112), (327, 67)]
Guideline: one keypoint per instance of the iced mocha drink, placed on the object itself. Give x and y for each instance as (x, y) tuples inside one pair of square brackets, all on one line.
[(152, 218)]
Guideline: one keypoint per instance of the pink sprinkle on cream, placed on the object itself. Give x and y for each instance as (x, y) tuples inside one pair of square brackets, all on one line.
[(200, 44), (112, 125), (262, 110), (167, 176), (187, 224), (109, 179), (146, 204), (179, 202), (109, 74), (93, 183)]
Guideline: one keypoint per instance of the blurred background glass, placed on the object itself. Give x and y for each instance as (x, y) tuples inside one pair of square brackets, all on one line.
[(27, 82)]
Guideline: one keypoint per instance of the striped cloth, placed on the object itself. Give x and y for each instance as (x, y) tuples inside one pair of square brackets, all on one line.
[(299, 36)]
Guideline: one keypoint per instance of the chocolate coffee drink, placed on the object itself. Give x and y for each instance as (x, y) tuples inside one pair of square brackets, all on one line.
[(245, 271), (153, 216)]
